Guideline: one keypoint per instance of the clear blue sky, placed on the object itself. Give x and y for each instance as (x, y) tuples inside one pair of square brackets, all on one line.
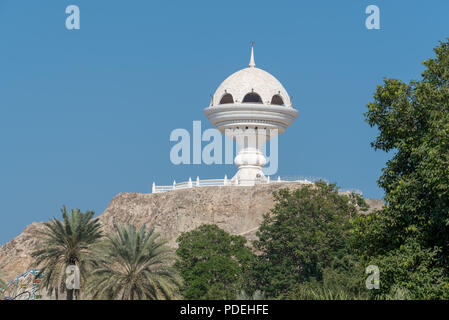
[(87, 114)]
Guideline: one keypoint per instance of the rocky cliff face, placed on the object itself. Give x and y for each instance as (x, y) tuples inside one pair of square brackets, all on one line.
[(238, 210)]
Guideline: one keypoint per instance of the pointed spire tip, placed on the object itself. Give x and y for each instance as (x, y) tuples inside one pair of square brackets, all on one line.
[(252, 64)]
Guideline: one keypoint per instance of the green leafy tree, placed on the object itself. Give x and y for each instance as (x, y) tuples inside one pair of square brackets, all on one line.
[(344, 279), (410, 271), (134, 265), (212, 263), (302, 235), (64, 243), (413, 123)]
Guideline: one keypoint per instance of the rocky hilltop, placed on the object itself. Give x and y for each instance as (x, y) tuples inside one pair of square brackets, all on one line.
[(238, 210)]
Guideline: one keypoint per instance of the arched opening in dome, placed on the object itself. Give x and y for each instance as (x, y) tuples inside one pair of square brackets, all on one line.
[(277, 100), (252, 97), (227, 98)]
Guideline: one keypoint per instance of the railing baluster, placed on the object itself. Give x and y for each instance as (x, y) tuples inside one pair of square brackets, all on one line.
[(219, 182)]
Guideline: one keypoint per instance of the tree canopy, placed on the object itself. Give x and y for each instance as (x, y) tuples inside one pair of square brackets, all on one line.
[(134, 265), (64, 243), (413, 123), (212, 263), (305, 232)]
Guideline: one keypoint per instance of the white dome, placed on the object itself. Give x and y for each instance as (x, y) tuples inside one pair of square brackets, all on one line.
[(251, 80)]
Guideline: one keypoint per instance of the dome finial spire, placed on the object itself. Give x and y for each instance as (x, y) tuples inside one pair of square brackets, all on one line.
[(252, 64)]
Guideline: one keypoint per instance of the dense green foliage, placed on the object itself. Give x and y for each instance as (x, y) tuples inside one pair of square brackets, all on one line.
[(305, 233), (342, 280), (212, 263), (64, 243), (134, 265), (409, 239)]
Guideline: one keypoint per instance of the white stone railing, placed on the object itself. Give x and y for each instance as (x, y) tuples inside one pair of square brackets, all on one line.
[(219, 182)]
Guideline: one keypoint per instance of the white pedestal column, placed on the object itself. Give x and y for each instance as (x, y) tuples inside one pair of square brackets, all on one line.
[(250, 159)]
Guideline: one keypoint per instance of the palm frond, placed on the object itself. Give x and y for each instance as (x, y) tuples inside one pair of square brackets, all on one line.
[(65, 242), (135, 264)]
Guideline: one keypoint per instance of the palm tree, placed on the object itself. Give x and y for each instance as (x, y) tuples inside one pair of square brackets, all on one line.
[(65, 243), (136, 265)]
